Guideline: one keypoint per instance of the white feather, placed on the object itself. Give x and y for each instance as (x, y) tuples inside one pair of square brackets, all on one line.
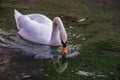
[(40, 29)]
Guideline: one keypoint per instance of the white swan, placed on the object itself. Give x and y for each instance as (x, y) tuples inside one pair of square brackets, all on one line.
[(40, 29)]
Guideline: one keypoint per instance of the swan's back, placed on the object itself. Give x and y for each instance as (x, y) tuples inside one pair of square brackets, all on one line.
[(40, 18), (36, 17)]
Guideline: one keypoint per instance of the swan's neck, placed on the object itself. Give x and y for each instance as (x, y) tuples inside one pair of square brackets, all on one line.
[(58, 33), (55, 38)]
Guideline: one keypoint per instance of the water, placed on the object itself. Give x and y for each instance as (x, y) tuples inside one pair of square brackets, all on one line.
[(93, 42)]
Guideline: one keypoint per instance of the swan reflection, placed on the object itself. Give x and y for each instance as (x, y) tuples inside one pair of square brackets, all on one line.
[(60, 63)]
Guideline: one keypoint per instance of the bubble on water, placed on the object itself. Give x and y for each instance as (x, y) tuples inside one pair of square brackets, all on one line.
[(111, 73), (26, 76), (84, 73), (78, 36), (101, 76), (81, 20)]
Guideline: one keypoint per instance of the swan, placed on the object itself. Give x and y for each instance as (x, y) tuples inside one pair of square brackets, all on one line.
[(39, 28)]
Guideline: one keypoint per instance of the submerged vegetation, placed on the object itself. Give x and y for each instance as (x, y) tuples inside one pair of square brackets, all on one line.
[(96, 39)]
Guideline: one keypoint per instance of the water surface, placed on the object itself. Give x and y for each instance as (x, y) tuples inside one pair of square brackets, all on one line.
[(96, 40)]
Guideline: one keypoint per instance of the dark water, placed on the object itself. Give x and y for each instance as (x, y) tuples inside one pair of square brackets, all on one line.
[(93, 44)]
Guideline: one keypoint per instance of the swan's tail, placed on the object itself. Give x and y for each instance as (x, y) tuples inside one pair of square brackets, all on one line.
[(16, 15)]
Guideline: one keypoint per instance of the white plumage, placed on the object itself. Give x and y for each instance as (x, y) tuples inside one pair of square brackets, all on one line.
[(40, 29)]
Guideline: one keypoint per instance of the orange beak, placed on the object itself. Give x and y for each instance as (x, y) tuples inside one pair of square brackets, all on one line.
[(64, 49)]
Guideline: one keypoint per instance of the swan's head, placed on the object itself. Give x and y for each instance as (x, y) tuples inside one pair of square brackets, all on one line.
[(57, 22), (63, 37)]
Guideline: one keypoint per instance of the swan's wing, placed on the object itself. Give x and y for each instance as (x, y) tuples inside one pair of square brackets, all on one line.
[(34, 27), (33, 30), (40, 18)]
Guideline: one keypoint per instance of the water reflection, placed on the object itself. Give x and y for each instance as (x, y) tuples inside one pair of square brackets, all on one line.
[(60, 63), (39, 51), (36, 51), (29, 48)]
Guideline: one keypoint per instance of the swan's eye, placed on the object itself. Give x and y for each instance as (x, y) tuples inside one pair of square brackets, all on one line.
[(55, 24), (64, 43)]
